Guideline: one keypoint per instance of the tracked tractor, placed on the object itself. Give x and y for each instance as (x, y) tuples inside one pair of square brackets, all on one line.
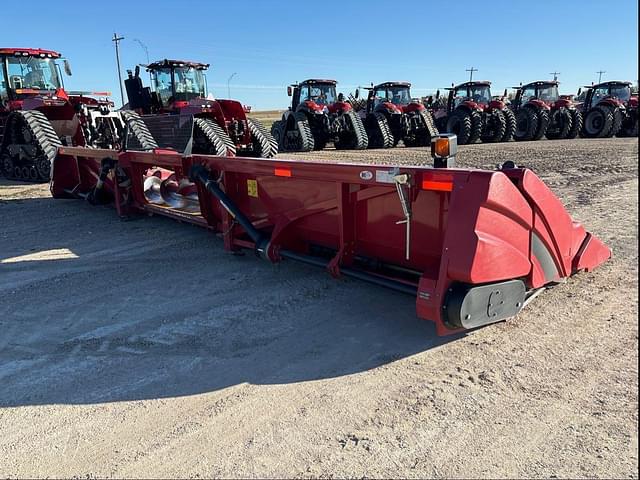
[(37, 114), (392, 115), (472, 114), (177, 97), (318, 116), (541, 111), (609, 109)]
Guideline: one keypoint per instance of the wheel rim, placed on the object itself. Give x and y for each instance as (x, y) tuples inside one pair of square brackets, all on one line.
[(594, 122)]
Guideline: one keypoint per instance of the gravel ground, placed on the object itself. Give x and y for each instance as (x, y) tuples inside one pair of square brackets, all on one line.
[(142, 349)]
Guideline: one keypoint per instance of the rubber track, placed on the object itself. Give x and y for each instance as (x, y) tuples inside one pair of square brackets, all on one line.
[(268, 145), (304, 130), (136, 126), (618, 117), (429, 123), (383, 128), (46, 140), (216, 137), (360, 133)]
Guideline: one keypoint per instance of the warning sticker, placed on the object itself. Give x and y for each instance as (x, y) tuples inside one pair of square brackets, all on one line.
[(385, 176), (252, 188)]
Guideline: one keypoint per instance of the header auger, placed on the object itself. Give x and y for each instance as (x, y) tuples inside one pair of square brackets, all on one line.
[(471, 246)]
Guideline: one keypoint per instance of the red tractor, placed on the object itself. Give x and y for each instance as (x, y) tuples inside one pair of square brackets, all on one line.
[(37, 114), (318, 116), (392, 115), (472, 114), (610, 109), (541, 111), (220, 127)]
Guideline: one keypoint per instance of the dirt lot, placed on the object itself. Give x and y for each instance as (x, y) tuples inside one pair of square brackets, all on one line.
[(142, 349)]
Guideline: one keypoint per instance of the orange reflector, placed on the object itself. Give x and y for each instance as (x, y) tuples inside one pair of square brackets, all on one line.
[(438, 186), (441, 147), (282, 172)]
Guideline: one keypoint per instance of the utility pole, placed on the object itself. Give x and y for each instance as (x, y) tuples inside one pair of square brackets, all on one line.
[(471, 70), (229, 84), (555, 75), (600, 72), (116, 39)]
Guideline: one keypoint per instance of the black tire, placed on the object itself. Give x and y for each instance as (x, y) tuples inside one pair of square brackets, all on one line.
[(378, 131), (354, 137), (560, 128), (616, 125), (598, 121), (510, 130), (460, 123), (526, 124), (476, 126), (264, 145), (496, 126), (576, 124), (543, 124), (277, 132), (138, 136), (210, 139), (427, 129), (629, 128)]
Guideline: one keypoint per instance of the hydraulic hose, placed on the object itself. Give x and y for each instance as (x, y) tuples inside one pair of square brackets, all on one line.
[(200, 174)]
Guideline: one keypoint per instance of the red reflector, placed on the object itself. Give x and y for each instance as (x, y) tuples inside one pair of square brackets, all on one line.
[(282, 172), (438, 186)]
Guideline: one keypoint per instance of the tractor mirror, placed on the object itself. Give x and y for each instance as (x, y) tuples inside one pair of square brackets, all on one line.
[(67, 67), (357, 94), (289, 92), (505, 93), (437, 94), (579, 91)]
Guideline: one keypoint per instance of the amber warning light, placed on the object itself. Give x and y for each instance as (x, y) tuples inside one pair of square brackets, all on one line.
[(444, 148)]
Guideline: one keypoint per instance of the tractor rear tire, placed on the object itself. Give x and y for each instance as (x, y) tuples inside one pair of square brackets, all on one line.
[(543, 124), (526, 124), (378, 131), (496, 128), (277, 132), (562, 126), (616, 126), (460, 123), (355, 136), (598, 121), (510, 118), (576, 124), (264, 145)]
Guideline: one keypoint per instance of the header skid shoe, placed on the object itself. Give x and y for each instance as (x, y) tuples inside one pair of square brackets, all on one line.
[(472, 246)]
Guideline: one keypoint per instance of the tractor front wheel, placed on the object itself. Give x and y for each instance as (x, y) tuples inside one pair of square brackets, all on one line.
[(616, 125), (510, 118), (561, 125), (496, 126), (526, 124), (461, 124), (576, 124)]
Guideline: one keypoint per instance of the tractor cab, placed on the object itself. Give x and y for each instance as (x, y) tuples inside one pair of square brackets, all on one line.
[(618, 92), (26, 72), (313, 94), (543, 91), (478, 93), (176, 82), (389, 95)]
